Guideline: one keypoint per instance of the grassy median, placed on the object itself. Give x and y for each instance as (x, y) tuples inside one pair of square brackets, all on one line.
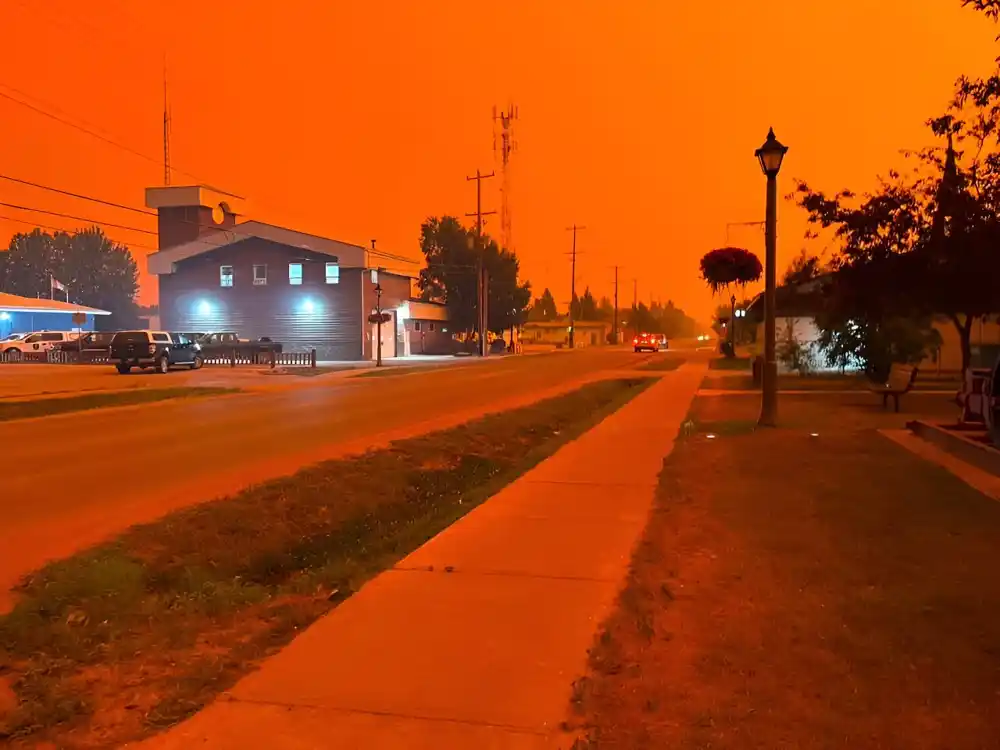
[(139, 633), (812, 586), (44, 407), (729, 363), (823, 381), (662, 364)]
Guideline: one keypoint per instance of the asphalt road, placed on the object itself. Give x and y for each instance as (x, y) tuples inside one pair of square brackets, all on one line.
[(68, 481)]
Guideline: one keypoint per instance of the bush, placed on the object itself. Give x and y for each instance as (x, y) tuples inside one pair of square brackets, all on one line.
[(795, 355)]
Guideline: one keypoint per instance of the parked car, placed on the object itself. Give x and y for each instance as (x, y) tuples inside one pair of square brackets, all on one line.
[(157, 349), (223, 343), (649, 342), (94, 342), (39, 342)]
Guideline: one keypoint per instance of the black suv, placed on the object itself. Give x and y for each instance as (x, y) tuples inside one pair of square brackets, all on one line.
[(157, 349)]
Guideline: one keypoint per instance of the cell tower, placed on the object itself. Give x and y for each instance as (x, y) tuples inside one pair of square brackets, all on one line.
[(503, 146), (166, 127)]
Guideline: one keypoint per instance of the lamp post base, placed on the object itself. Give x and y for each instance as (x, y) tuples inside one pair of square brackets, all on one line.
[(769, 396)]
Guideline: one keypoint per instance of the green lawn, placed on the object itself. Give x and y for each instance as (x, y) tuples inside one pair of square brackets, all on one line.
[(391, 370), (668, 362), (729, 363), (137, 634), (811, 586), (42, 407), (819, 382)]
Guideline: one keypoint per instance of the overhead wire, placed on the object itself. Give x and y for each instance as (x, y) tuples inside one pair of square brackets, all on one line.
[(63, 229), (91, 130), (77, 218), (80, 196), (113, 204)]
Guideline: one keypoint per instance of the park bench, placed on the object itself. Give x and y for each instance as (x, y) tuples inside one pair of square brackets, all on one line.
[(900, 381)]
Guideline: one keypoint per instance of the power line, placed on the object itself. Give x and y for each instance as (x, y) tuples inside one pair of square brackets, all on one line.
[(91, 130), (63, 229), (78, 218), (233, 231), (77, 195)]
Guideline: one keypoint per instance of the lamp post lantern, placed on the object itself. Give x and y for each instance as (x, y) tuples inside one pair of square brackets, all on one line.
[(770, 156)]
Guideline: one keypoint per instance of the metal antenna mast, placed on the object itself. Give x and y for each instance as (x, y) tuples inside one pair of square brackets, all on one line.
[(166, 126), (503, 146)]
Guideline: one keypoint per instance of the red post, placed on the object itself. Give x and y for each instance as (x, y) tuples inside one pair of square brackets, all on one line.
[(232, 357)]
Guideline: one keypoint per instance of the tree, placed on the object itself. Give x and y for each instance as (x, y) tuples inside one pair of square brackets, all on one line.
[(585, 307), (729, 268), (508, 298), (990, 7), (605, 309), (452, 258), (544, 307), (639, 319), (97, 271), (802, 269), (924, 244)]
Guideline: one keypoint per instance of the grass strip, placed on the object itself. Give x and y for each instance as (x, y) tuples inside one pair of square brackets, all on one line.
[(384, 372), (662, 364), (729, 363), (141, 632), (43, 407), (816, 382), (772, 549)]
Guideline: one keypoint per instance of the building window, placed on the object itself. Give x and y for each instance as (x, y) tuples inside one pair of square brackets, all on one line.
[(295, 274), (259, 275), (416, 325), (430, 326), (225, 275), (332, 273)]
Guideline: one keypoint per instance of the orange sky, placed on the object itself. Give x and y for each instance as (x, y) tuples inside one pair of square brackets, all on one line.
[(359, 119)]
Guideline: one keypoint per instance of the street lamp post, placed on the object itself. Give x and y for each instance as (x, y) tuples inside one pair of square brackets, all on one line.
[(378, 324), (770, 156)]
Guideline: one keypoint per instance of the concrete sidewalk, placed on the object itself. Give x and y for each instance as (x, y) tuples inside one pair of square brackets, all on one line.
[(475, 639)]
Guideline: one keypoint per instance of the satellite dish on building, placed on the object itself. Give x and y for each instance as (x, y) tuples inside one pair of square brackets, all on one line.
[(219, 213)]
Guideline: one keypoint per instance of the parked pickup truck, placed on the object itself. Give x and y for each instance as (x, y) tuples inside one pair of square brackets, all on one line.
[(153, 349), (95, 342), (222, 343)]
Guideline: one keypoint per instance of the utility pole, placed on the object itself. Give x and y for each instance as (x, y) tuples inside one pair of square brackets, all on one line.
[(482, 283), (572, 285), (614, 326)]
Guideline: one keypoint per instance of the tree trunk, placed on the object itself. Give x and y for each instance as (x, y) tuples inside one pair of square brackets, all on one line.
[(965, 338)]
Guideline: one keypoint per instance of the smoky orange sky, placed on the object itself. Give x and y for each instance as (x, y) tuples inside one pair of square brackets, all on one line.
[(357, 120)]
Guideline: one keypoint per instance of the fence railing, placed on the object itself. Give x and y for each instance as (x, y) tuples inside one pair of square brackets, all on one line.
[(233, 358)]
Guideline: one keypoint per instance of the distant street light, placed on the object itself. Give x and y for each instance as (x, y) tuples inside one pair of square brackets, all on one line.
[(770, 155)]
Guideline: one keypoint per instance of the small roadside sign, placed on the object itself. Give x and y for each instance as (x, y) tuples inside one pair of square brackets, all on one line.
[(79, 318)]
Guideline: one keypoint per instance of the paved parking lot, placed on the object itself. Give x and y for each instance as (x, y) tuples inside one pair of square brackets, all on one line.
[(28, 380)]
